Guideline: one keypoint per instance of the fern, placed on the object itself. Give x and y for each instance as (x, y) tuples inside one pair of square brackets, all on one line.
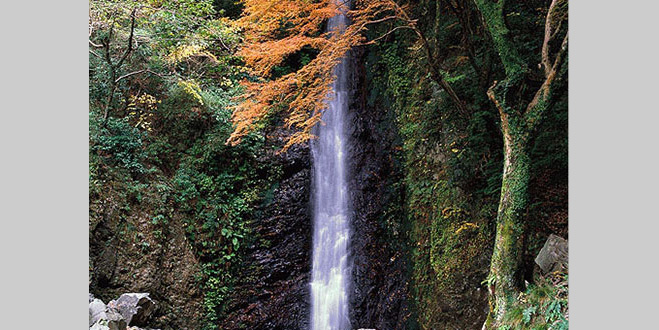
[(528, 314)]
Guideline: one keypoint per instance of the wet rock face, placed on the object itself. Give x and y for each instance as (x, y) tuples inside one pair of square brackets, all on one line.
[(273, 289), (379, 291)]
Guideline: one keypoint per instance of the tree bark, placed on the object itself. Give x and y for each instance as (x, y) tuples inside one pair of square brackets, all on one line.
[(506, 264)]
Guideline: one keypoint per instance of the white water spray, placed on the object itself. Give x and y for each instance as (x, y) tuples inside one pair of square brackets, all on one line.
[(331, 272)]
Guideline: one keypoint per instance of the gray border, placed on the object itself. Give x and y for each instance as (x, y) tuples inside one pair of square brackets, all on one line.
[(613, 240), (44, 134)]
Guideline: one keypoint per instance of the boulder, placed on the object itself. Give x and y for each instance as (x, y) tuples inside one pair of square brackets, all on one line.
[(96, 311), (100, 325), (553, 254), (112, 321), (135, 308), (116, 321)]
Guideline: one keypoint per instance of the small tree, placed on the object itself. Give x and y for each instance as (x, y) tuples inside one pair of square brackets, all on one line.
[(122, 33), (519, 121), (104, 44)]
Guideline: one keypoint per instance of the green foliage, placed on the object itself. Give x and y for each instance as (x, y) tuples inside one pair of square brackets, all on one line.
[(216, 188), (215, 292), (550, 150), (161, 149), (528, 313), (228, 8), (543, 306), (117, 144)]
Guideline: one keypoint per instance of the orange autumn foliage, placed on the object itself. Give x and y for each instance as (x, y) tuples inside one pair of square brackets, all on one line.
[(276, 29)]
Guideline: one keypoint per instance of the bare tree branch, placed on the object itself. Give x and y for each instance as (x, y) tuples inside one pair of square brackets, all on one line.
[(548, 36), (534, 109), (380, 20), (437, 76), (432, 62), (223, 44), (138, 72), (130, 39), (95, 45), (386, 34), (115, 67), (95, 54)]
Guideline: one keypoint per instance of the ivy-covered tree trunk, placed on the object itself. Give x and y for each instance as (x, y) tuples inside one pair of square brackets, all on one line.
[(519, 119), (506, 264)]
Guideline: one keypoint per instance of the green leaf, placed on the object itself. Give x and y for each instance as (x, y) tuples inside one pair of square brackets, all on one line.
[(527, 314)]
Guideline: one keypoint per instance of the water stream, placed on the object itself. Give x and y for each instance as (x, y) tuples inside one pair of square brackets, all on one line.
[(331, 270)]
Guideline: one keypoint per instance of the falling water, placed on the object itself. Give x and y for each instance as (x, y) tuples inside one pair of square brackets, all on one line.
[(331, 273)]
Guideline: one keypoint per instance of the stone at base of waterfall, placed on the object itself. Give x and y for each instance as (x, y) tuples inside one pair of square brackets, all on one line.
[(111, 321), (129, 308), (554, 254), (96, 311), (136, 308)]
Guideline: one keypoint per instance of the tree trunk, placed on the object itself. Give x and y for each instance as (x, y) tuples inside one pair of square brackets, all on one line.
[(506, 265), (108, 105), (518, 123)]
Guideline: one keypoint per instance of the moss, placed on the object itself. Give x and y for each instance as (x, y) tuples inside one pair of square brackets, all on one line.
[(506, 264), (447, 162), (454, 242), (493, 14)]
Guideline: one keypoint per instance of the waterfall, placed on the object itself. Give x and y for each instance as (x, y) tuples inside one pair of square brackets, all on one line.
[(331, 272)]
